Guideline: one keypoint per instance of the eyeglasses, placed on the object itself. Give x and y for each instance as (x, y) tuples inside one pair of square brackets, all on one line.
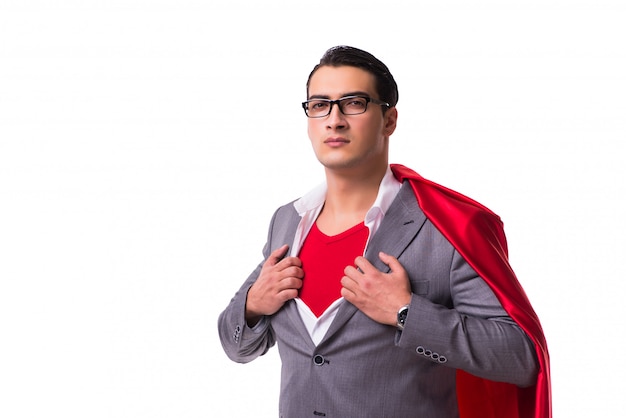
[(349, 105)]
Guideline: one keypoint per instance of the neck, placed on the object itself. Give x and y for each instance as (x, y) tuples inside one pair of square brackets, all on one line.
[(350, 195)]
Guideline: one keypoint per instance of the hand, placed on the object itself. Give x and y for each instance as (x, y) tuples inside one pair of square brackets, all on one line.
[(278, 282), (378, 295)]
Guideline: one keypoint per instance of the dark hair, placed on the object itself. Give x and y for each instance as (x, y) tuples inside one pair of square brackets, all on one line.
[(338, 56)]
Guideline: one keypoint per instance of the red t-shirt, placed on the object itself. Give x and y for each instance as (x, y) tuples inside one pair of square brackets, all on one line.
[(324, 259)]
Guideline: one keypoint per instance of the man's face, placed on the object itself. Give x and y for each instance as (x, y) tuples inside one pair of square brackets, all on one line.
[(349, 141)]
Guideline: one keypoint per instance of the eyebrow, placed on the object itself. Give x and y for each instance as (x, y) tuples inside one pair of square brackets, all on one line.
[(352, 93)]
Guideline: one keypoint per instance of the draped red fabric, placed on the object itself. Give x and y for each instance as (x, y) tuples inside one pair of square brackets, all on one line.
[(478, 235)]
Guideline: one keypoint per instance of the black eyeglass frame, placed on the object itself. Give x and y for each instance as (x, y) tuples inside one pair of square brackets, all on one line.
[(305, 105)]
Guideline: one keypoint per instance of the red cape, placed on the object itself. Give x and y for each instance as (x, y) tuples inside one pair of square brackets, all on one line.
[(478, 235)]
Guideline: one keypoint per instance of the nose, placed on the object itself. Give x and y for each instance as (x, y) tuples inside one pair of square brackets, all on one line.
[(336, 119)]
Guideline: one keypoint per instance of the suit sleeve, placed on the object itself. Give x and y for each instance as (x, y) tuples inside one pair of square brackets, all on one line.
[(241, 343), (469, 331)]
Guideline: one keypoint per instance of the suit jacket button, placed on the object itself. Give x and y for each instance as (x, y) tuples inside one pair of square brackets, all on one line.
[(237, 333), (319, 360)]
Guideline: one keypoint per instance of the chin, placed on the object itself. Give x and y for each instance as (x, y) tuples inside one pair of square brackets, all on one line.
[(337, 164)]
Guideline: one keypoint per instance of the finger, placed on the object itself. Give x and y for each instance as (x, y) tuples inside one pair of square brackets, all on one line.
[(349, 285), (292, 283), (292, 271), (347, 281), (391, 261), (364, 265), (288, 283), (351, 271), (290, 261), (288, 294), (348, 294), (277, 254)]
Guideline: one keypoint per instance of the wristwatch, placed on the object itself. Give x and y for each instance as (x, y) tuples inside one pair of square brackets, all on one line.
[(402, 314)]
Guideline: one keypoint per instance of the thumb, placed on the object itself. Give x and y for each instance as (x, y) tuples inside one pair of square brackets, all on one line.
[(390, 260), (278, 254)]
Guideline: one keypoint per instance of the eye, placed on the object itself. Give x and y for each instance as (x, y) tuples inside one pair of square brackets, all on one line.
[(318, 105), (355, 103)]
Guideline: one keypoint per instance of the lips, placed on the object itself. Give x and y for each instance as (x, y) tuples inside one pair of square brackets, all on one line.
[(336, 141)]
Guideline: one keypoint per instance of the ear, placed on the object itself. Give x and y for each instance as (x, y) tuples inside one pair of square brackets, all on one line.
[(390, 119)]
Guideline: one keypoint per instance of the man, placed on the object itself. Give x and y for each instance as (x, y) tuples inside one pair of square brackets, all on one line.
[(388, 295)]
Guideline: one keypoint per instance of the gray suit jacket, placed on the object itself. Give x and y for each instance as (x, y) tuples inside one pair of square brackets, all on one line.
[(364, 369)]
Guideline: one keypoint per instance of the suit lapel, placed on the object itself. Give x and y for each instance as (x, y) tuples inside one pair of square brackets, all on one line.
[(284, 232), (399, 227)]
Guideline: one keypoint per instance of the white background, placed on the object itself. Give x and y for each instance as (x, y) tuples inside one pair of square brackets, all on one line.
[(137, 179)]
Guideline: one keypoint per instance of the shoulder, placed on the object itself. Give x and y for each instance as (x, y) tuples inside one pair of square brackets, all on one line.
[(285, 212)]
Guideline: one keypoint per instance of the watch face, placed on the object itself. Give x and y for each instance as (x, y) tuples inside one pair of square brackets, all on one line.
[(402, 314)]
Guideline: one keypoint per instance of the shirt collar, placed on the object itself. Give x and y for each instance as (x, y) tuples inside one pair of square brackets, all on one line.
[(389, 187)]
